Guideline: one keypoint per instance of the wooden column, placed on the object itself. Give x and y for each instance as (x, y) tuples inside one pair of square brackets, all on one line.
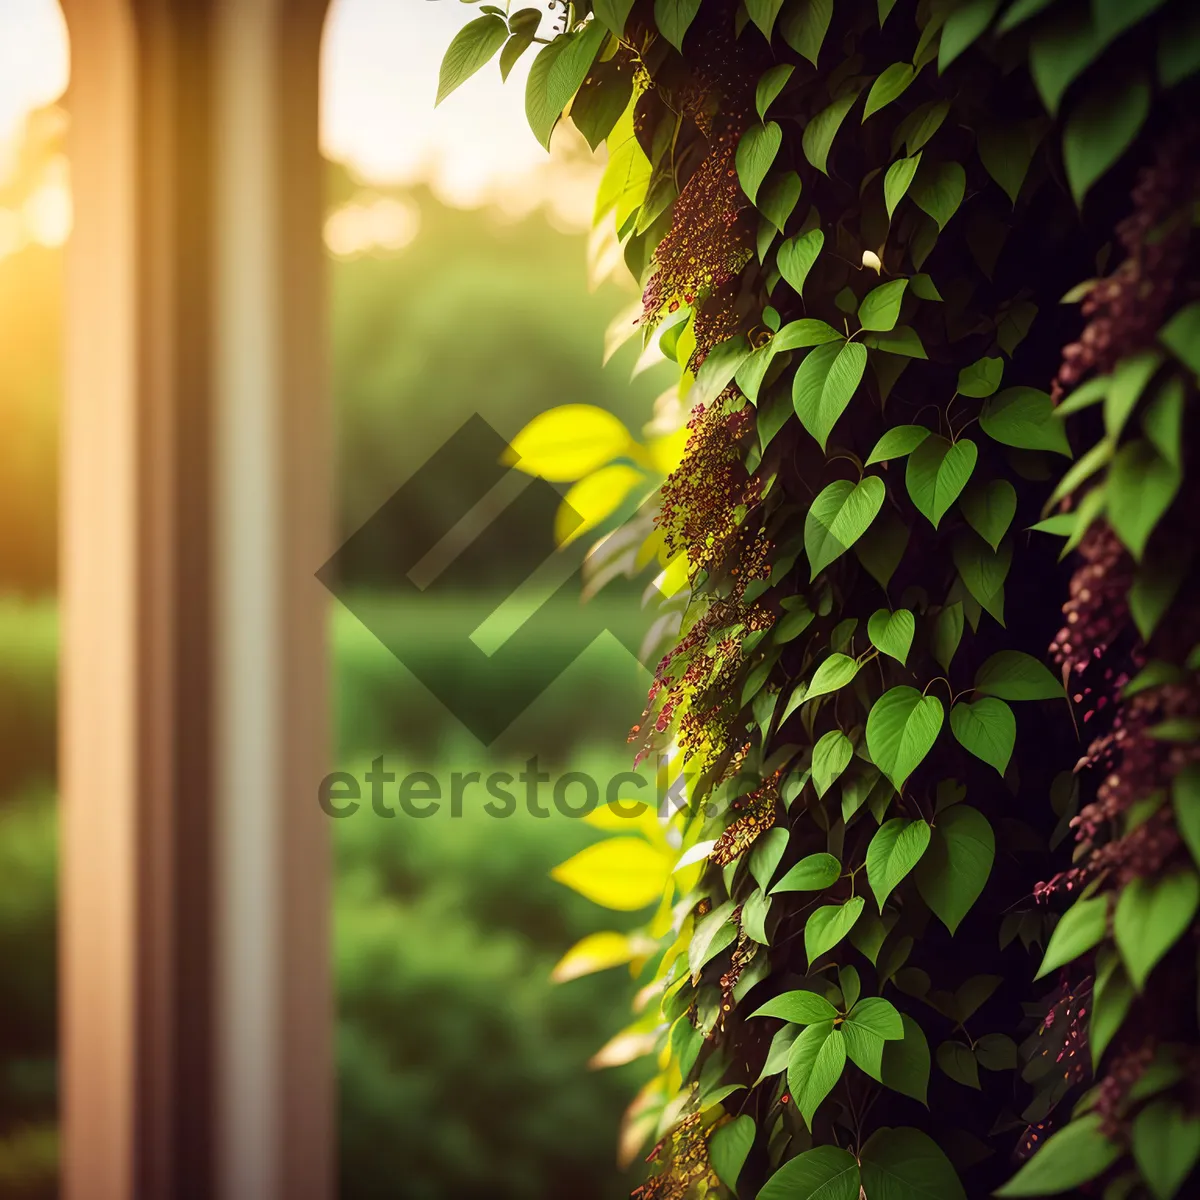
[(197, 1010)]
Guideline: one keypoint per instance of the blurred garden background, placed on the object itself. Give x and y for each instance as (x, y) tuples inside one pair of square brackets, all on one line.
[(448, 277)]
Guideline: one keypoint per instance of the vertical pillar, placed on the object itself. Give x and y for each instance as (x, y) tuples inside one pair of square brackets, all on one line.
[(196, 1000)]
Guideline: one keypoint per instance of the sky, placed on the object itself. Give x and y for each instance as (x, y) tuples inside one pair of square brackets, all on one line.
[(380, 61)]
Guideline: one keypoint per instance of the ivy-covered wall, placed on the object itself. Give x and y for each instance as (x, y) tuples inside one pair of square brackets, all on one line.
[(926, 548)]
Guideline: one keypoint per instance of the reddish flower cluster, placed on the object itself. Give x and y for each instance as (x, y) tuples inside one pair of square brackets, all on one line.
[(1125, 310), (1125, 1071)]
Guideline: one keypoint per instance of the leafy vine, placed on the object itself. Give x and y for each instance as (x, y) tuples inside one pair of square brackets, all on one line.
[(853, 227)]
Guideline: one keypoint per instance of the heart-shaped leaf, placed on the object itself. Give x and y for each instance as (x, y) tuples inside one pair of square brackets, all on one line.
[(987, 728), (897, 181), (905, 1164), (957, 864), (796, 256), (892, 633), (901, 729), (822, 1173), (820, 130), (770, 85), (838, 517), (1079, 929), (880, 307), (1024, 417), (895, 849), (824, 385), (869, 1025), (889, 84), (937, 472), (755, 153), (1014, 675), (1150, 918), (816, 1063), (989, 509), (799, 1007), (897, 442), (828, 925), (834, 673), (831, 756), (812, 874), (981, 378)]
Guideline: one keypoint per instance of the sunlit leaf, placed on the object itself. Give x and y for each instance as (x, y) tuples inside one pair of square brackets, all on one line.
[(901, 729), (569, 442), (623, 873)]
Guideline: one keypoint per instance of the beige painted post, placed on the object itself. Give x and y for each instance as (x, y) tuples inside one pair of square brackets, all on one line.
[(196, 1001)]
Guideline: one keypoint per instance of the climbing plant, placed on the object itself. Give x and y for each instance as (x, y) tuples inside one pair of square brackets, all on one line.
[(931, 926)]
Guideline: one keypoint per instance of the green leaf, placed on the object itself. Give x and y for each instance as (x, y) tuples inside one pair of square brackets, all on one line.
[(800, 1008), (754, 916), (1141, 486), (1155, 585), (1162, 422), (955, 868), (882, 547), (895, 849), (816, 1063), (1101, 129), (556, 75), (963, 27), (1151, 916), (987, 729), (600, 102), (892, 633), (472, 47), (1166, 1146), (996, 1052), (981, 378), (881, 306), (1185, 796), (957, 1061), (513, 49), (1020, 11), (764, 858), (1014, 675), (711, 936), (897, 181), (834, 673), (812, 874), (796, 256), (897, 442), (983, 570), (1061, 48), (901, 729), (947, 633), (770, 85), (800, 335), (1112, 997), (923, 288), (804, 26), (1024, 417), (1007, 150), (673, 17), (778, 199), (1076, 1153), (1181, 335), (888, 85), (937, 473), (831, 756), (1079, 930), (729, 1147), (938, 189), (828, 925), (870, 1025), (920, 125), (905, 1164), (822, 129), (989, 509), (823, 1173), (614, 13), (755, 153), (763, 14), (901, 340), (824, 385), (905, 1066), (838, 517)]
